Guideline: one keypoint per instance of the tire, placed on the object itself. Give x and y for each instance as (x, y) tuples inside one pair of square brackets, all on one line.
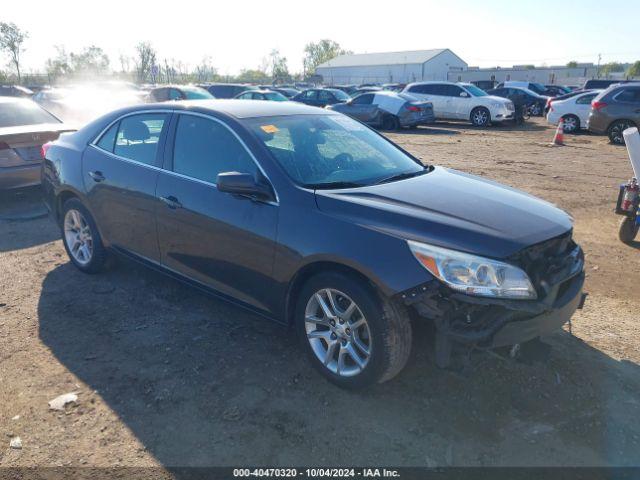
[(536, 111), (390, 122), (386, 324), (615, 131), (628, 230), (571, 124), (89, 255), (480, 117)]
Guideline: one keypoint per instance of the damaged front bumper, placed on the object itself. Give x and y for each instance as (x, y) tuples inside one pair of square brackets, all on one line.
[(487, 323)]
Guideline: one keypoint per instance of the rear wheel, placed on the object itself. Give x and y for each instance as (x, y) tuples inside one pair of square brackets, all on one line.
[(536, 110), (390, 122), (616, 129), (81, 238), (570, 124), (628, 229), (352, 336), (480, 117)]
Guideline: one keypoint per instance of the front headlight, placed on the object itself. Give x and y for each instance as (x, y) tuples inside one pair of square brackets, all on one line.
[(474, 275)]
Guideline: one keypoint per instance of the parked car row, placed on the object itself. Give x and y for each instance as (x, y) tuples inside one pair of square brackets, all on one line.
[(605, 112)]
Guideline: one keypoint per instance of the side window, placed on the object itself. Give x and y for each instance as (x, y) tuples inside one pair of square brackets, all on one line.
[(175, 94), (452, 90), (365, 99), (245, 96), (417, 89), (160, 95), (257, 96), (204, 148), (324, 96), (586, 99), (310, 94), (629, 95), (434, 89), (138, 137), (108, 140)]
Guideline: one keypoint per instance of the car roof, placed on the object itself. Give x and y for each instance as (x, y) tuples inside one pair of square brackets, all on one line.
[(240, 109)]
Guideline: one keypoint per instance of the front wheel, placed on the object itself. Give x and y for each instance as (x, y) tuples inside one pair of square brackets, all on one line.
[(628, 229), (81, 238), (480, 117), (536, 110), (351, 335)]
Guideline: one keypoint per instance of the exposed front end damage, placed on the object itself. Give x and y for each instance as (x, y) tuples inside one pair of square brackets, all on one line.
[(555, 268)]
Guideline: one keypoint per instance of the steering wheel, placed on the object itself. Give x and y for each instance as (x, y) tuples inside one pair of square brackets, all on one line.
[(343, 160)]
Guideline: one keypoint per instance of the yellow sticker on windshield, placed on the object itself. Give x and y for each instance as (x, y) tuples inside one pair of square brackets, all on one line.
[(269, 128)]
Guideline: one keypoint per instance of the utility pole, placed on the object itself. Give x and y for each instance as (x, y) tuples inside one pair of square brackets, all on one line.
[(598, 69)]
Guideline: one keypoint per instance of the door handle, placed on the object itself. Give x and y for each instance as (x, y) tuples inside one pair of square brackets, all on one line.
[(171, 202), (97, 176)]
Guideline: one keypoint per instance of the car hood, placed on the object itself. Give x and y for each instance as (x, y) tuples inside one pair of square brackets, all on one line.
[(450, 209), (494, 98)]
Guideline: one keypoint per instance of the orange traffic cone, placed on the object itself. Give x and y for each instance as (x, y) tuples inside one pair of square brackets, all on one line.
[(558, 139)]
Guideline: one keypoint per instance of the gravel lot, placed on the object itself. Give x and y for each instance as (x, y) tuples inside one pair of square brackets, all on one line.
[(168, 376)]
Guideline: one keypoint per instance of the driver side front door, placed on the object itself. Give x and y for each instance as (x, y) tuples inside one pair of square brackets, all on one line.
[(223, 241)]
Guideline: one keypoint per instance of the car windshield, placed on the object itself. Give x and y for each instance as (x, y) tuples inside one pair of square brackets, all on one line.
[(475, 91), (537, 88), (196, 93), (332, 151), (340, 95), (15, 114), (275, 97)]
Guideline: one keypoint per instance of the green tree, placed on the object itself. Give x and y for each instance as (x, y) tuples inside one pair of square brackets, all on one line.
[(634, 69), (252, 76), (316, 53), (572, 64), (11, 40), (611, 67)]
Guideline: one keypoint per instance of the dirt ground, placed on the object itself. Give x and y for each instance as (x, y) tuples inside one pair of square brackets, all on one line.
[(170, 377)]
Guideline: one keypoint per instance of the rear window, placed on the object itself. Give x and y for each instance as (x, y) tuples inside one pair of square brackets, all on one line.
[(16, 114), (196, 93)]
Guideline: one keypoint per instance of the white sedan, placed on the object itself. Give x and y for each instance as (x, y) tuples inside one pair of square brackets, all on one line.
[(573, 111)]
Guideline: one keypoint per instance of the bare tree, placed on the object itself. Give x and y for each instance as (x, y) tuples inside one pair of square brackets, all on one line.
[(11, 40), (145, 61)]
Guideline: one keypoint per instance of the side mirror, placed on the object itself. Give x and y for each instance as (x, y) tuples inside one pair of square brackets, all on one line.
[(243, 184)]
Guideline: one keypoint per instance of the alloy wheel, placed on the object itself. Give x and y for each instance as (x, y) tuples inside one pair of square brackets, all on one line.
[(569, 124), (78, 237), (480, 117), (338, 332)]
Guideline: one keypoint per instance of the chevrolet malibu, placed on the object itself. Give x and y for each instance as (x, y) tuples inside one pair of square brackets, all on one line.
[(310, 218)]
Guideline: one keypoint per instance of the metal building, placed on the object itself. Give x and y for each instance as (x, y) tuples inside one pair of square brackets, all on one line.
[(391, 67)]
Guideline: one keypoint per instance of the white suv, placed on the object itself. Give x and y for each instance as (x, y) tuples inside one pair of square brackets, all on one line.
[(462, 101)]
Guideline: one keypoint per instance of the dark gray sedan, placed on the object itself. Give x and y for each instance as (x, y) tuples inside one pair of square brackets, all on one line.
[(24, 128), (387, 110)]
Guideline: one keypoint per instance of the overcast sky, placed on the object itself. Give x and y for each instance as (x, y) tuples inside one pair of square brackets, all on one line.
[(240, 34)]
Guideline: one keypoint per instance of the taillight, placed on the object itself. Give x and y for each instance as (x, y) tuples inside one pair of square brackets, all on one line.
[(548, 103), (598, 105), (44, 149), (413, 108)]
